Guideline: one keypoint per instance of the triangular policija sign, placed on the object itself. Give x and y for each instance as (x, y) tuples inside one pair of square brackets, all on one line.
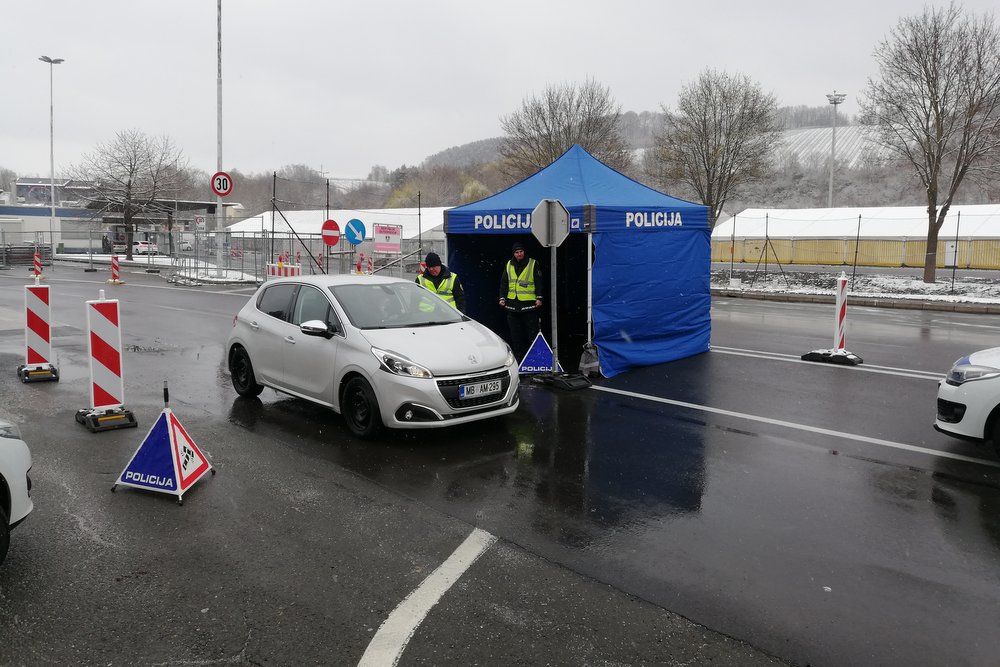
[(167, 461), (539, 357)]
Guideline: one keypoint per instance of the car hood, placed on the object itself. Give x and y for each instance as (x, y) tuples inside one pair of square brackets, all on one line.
[(990, 357), (447, 349)]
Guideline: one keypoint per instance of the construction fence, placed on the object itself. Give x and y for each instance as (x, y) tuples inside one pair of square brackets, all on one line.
[(245, 256)]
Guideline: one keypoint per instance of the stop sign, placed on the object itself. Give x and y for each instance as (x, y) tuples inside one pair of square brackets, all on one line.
[(550, 222), (331, 232)]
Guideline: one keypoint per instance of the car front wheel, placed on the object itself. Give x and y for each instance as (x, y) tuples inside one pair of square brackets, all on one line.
[(4, 535), (360, 409), (995, 435), (244, 381)]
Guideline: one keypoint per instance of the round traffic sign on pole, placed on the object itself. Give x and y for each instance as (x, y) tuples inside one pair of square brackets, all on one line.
[(222, 184), (355, 231), (331, 232)]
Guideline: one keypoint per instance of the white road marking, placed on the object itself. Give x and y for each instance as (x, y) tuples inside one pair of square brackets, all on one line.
[(801, 427), (111, 290), (867, 368), (387, 645)]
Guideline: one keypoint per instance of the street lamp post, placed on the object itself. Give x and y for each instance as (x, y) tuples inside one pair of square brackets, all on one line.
[(219, 228), (52, 160), (835, 99)]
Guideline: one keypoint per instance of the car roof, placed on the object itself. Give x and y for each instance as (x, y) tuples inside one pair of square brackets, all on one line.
[(321, 280)]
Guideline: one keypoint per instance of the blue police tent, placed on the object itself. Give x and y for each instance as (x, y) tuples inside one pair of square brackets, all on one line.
[(651, 262)]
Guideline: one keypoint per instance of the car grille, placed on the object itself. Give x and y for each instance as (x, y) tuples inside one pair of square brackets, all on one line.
[(449, 389), (950, 412)]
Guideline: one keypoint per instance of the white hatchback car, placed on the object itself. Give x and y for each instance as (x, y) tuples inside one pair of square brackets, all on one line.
[(15, 484), (968, 400), (380, 351)]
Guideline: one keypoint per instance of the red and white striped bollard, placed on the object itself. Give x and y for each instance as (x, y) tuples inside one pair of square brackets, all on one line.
[(37, 261), (107, 377), (840, 325), (115, 271), (37, 336)]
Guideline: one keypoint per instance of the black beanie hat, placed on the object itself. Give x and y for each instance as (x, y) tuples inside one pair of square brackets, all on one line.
[(517, 246), (432, 260)]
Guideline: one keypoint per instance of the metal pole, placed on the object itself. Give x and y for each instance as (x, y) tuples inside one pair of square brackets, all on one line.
[(857, 242), (553, 311), (835, 99), (52, 62), (732, 252), (218, 162), (954, 267)]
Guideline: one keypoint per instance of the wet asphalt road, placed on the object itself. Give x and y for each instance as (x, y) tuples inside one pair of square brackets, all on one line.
[(755, 512)]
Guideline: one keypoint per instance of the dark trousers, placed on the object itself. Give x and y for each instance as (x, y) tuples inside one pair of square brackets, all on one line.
[(523, 325)]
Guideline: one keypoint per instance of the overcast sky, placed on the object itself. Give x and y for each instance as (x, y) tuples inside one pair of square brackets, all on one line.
[(343, 86)]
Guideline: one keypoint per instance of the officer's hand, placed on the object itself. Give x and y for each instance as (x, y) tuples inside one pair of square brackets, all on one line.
[(503, 301), (538, 303)]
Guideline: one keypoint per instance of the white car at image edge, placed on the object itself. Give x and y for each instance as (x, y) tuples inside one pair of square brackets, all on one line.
[(15, 484), (383, 352), (968, 400)]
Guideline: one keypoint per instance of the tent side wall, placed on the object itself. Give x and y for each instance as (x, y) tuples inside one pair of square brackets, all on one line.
[(652, 299)]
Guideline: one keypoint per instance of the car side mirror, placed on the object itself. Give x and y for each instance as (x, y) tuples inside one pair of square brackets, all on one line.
[(317, 328)]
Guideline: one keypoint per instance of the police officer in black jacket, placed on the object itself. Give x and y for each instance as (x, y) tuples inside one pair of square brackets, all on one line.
[(520, 294)]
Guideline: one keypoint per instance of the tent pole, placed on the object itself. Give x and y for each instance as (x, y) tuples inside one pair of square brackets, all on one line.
[(590, 287)]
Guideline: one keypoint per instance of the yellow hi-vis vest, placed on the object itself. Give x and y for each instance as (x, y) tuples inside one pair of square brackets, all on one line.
[(445, 289), (521, 287)]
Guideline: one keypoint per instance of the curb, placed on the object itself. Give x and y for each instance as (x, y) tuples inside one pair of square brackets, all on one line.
[(872, 302)]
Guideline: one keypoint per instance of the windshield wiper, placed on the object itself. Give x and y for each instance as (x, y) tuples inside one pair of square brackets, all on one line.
[(429, 324)]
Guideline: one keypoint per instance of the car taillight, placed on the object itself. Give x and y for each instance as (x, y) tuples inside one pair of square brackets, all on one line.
[(235, 318)]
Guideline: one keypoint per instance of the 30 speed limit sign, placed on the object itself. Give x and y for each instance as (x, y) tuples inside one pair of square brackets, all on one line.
[(222, 184)]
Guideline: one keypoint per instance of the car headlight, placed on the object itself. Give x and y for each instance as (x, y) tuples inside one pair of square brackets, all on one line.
[(510, 357), (400, 365), (963, 373)]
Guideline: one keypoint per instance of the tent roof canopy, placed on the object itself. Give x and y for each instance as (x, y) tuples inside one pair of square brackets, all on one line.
[(576, 179)]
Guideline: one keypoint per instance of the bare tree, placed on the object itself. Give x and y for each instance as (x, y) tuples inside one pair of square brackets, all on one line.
[(546, 127), (129, 174), (8, 181), (936, 104), (721, 137)]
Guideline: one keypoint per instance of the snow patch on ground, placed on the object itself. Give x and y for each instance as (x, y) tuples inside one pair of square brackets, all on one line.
[(963, 290)]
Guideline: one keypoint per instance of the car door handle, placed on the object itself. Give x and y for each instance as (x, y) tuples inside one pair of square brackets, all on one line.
[(254, 326), (289, 339)]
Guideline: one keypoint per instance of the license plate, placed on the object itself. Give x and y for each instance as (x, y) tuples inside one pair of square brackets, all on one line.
[(478, 389)]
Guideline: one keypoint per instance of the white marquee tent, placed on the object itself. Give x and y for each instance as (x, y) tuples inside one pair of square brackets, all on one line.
[(980, 221), (427, 223)]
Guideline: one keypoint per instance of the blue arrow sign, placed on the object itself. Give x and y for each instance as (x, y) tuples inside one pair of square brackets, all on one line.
[(354, 231)]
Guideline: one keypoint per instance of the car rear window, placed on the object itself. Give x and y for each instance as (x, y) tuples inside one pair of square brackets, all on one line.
[(275, 301)]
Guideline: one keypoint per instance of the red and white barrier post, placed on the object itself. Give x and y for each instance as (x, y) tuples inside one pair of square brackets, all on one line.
[(37, 264), (371, 264), (107, 382), (115, 272), (840, 324), (37, 366), (282, 270), (837, 354)]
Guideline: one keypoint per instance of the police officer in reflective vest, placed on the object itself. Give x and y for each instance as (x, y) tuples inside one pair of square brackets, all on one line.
[(438, 279), (520, 294)]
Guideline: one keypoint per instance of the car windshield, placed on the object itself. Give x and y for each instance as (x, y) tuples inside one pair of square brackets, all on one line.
[(393, 306)]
